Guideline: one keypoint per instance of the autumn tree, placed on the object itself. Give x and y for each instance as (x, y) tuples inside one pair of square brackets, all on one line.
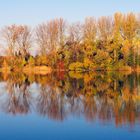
[(129, 27), (74, 39), (50, 36), (105, 25), (117, 37), (106, 43), (104, 37), (89, 37), (17, 41)]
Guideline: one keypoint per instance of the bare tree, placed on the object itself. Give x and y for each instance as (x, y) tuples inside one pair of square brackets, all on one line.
[(9, 34), (17, 39), (75, 33), (42, 38), (51, 35), (24, 40), (62, 31)]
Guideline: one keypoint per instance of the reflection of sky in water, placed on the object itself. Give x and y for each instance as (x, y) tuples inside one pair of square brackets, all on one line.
[(36, 111), (33, 126)]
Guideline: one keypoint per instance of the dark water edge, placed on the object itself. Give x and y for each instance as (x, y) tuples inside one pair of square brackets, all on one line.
[(70, 106)]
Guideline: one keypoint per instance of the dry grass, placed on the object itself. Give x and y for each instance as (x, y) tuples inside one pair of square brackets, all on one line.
[(41, 70), (5, 70)]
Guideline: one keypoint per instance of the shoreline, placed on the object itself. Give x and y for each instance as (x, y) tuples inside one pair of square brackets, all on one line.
[(44, 70)]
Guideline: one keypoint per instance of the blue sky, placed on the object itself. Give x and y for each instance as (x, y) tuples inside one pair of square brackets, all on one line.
[(33, 12)]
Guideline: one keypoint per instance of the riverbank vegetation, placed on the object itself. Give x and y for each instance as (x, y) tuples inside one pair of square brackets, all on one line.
[(106, 43)]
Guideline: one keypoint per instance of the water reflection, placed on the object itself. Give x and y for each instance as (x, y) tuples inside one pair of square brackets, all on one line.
[(94, 96)]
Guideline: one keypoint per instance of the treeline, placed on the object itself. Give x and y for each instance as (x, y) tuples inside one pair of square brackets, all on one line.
[(108, 43)]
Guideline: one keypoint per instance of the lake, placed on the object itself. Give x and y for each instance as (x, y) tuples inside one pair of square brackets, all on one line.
[(70, 106)]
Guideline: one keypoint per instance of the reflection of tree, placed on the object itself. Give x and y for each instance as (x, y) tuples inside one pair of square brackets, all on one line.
[(18, 98), (50, 103), (105, 112), (90, 108), (102, 96)]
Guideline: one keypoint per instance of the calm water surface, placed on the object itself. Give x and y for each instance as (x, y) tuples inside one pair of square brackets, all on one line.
[(70, 106)]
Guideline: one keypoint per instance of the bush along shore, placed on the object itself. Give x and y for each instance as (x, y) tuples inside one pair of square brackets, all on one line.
[(103, 44)]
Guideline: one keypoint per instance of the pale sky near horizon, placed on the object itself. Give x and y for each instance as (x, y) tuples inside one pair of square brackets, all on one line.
[(33, 12)]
